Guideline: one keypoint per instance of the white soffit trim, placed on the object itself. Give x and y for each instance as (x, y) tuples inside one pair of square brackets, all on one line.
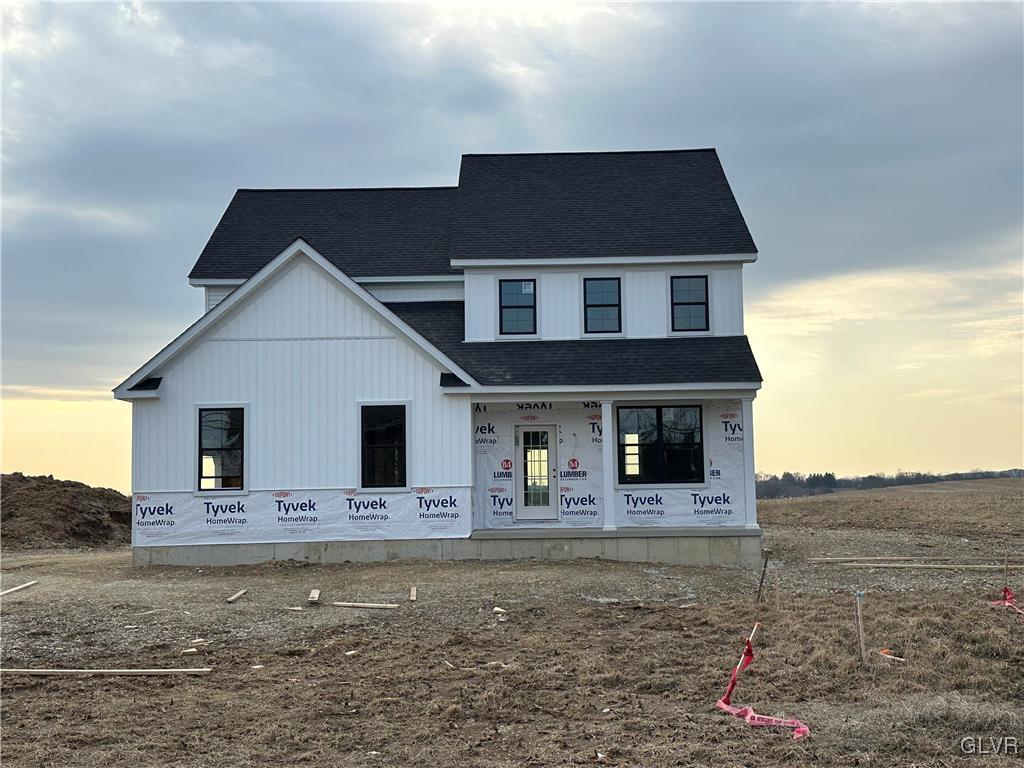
[(723, 258), (214, 282), (299, 247)]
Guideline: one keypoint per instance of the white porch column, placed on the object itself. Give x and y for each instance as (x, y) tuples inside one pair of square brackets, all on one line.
[(750, 487), (608, 439)]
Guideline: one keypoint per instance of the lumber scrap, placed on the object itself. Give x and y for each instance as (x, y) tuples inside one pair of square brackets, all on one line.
[(412, 594), (314, 597), (237, 595), (17, 588), (365, 605), (936, 566), (892, 558), (195, 671)]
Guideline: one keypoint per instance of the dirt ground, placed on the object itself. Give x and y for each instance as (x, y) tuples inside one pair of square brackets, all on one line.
[(598, 663)]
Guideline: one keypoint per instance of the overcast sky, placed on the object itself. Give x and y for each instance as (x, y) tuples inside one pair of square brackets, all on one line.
[(876, 152)]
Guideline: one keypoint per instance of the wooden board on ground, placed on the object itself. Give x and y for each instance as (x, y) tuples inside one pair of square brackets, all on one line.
[(237, 595), (19, 587), (314, 596), (197, 671), (365, 605)]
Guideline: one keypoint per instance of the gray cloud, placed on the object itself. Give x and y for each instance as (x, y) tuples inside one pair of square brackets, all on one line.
[(856, 136)]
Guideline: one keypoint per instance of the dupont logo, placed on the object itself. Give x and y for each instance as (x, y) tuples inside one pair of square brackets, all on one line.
[(529, 417), (281, 494), (731, 416), (142, 498), (496, 489), (423, 490), (574, 463), (351, 492), (594, 417)]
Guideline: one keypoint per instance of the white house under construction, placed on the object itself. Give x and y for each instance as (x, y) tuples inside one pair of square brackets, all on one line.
[(546, 360)]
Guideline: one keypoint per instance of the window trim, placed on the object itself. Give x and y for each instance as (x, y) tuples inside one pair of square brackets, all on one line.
[(197, 443), (623, 484), (358, 485), (618, 306), (672, 304), (501, 307)]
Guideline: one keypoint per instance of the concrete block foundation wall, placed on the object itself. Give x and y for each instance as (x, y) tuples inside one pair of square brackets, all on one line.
[(741, 549)]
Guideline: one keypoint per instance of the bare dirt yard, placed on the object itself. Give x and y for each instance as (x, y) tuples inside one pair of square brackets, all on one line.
[(597, 663)]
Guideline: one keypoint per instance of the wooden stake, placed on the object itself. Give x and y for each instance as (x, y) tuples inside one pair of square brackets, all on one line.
[(237, 595), (777, 579), (365, 605), (15, 589), (412, 594), (199, 671), (1006, 569), (764, 571), (860, 629)]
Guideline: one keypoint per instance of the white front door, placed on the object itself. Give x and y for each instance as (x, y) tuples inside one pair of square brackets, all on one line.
[(536, 473)]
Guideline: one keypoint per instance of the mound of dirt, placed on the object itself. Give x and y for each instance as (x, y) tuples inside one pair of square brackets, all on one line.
[(40, 512)]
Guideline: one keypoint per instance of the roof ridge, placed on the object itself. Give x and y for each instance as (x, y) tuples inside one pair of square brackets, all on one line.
[(342, 189), (592, 152)]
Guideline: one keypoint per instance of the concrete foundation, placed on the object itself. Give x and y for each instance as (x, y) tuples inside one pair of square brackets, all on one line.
[(728, 549)]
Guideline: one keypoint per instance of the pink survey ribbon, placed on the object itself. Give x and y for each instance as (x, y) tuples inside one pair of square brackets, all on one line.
[(1009, 600), (748, 714)]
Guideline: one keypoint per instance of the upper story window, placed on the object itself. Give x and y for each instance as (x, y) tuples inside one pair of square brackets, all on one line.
[(690, 303), (383, 446), (221, 449), (661, 444), (602, 305), (517, 306)]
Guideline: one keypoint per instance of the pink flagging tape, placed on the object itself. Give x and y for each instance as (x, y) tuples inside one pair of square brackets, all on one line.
[(1008, 600), (749, 715)]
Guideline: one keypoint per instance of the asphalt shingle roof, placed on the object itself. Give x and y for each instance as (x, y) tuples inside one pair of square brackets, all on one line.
[(363, 232), (617, 204), (568, 205), (581, 362)]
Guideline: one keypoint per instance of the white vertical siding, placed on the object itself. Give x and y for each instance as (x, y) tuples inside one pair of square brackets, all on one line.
[(645, 299), (216, 293), (558, 308), (481, 306), (301, 353), (413, 291)]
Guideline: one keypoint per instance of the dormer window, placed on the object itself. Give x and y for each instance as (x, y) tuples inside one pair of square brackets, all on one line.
[(602, 306), (690, 303), (517, 307)]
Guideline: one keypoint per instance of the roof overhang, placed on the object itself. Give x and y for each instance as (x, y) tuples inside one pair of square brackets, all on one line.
[(727, 391), (719, 258), (298, 249)]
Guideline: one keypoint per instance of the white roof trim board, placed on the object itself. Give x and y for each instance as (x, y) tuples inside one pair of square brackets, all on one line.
[(240, 294)]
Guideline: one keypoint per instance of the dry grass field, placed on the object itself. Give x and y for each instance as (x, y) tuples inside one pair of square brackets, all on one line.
[(598, 663)]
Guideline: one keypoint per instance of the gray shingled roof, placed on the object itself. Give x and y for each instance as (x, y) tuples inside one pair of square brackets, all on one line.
[(363, 232), (582, 362), (614, 204), (584, 204)]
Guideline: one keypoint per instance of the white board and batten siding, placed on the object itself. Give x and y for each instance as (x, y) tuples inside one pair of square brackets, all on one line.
[(302, 355), (646, 303), (412, 290)]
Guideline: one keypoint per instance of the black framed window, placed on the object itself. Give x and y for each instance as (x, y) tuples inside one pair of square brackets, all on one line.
[(221, 449), (602, 305), (383, 446), (661, 444), (517, 306), (690, 303)]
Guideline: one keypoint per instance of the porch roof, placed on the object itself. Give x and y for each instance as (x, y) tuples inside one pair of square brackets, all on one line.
[(581, 362)]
